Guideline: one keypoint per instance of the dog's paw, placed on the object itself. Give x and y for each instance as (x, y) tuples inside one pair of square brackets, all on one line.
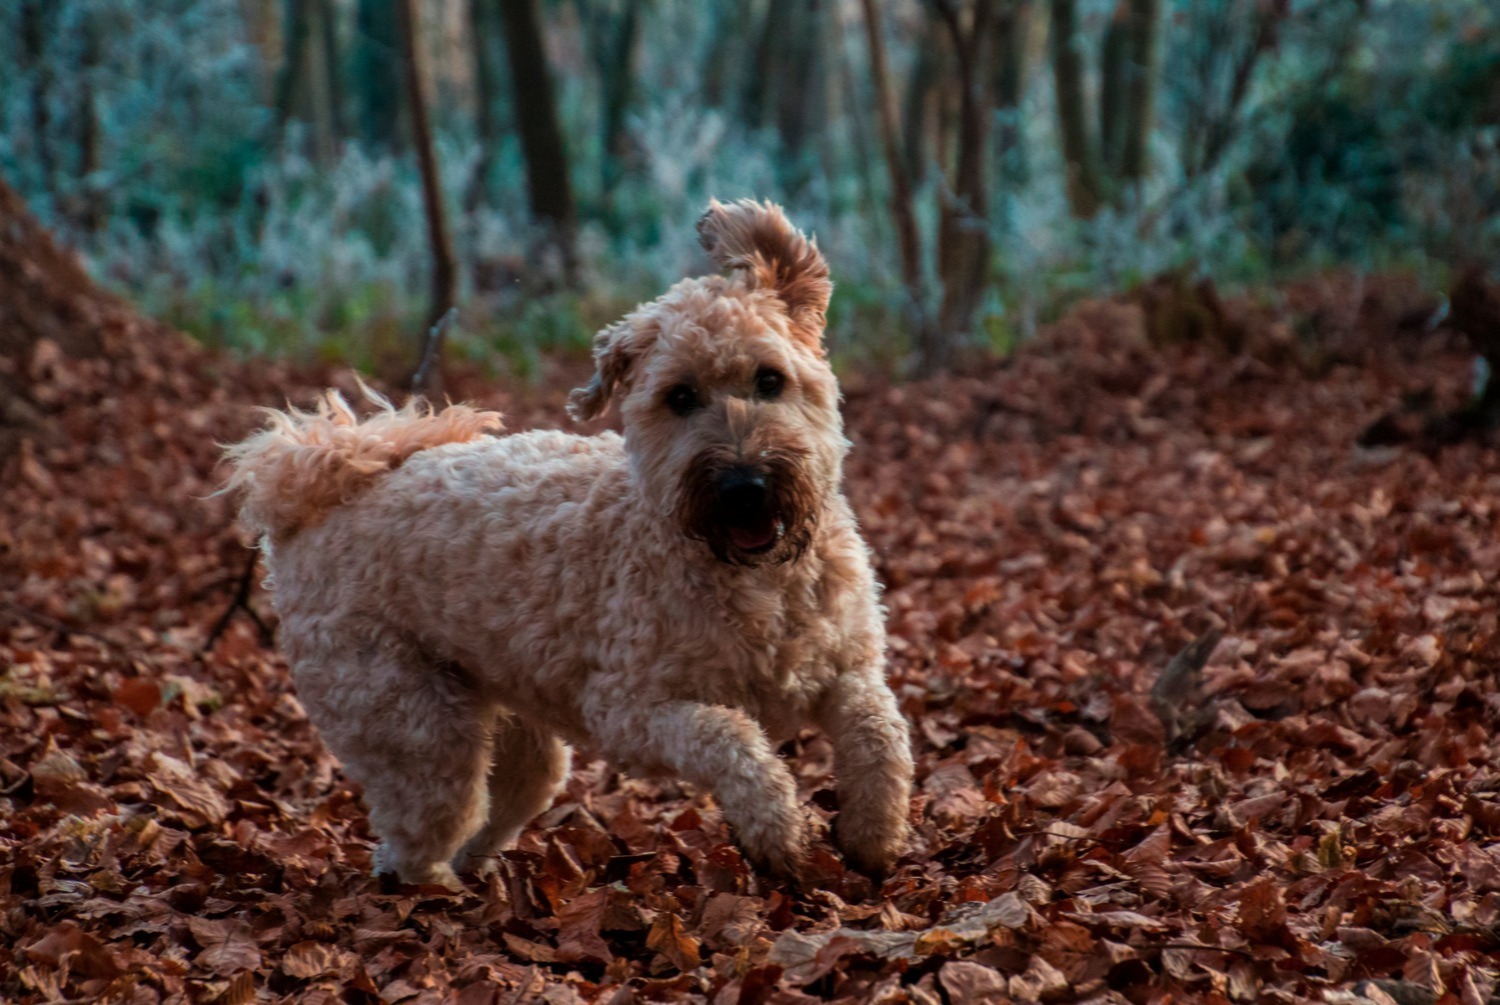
[(387, 863), (871, 848), (440, 875), (480, 866), (785, 865), (779, 852)]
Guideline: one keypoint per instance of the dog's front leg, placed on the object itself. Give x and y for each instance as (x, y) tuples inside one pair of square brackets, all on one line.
[(721, 749), (872, 756)]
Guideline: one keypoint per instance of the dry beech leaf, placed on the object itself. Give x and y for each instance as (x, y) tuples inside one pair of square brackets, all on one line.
[(71, 946), (578, 924), (1262, 914), (139, 694), (972, 983), (669, 938), (731, 919), (314, 959), (189, 797), (227, 945), (1041, 982), (241, 990)]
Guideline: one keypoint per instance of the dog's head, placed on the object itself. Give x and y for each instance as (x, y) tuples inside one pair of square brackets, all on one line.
[(729, 406)]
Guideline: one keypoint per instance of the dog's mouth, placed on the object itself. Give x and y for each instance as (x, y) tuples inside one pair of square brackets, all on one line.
[(747, 510), (747, 514), (756, 536)]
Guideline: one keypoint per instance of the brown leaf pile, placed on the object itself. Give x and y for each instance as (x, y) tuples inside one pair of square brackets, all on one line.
[(1309, 809)]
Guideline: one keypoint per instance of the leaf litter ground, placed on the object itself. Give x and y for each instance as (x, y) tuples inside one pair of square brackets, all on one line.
[(1305, 806)]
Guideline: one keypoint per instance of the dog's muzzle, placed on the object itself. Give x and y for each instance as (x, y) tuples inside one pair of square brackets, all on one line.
[(746, 510), (750, 513)]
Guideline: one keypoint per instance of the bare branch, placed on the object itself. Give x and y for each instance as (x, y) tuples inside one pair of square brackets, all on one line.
[(432, 349), (240, 602)]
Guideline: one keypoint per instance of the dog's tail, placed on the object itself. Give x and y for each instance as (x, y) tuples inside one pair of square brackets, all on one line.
[(305, 463)]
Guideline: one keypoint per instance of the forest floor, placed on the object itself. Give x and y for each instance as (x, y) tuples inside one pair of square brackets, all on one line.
[(1313, 816)]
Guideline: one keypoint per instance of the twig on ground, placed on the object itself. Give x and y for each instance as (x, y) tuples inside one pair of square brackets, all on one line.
[(240, 601), (47, 621)]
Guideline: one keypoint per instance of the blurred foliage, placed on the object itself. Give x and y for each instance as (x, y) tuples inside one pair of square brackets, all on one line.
[(143, 131)]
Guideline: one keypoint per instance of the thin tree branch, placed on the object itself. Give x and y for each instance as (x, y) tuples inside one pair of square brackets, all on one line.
[(432, 349), (902, 214), (1221, 133), (444, 267)]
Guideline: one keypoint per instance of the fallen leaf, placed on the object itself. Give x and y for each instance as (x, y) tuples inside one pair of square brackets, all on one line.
[(227, 945), (670, 939)]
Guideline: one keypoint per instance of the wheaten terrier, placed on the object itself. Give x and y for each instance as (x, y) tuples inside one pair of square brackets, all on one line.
[(458, 607)]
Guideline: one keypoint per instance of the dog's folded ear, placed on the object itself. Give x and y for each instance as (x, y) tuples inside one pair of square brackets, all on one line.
[(757, 237), (613, 353)]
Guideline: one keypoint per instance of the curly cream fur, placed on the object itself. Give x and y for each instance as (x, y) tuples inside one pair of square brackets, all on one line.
[(458, 608), (304, 463)]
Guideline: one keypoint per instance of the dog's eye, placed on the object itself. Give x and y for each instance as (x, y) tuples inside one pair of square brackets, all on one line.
[(683, 400), (768, 383)]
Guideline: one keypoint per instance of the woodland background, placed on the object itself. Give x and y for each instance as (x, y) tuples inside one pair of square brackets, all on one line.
[(1163, 328), (250, 170)]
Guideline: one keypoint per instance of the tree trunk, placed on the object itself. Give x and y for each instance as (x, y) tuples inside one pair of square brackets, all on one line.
[(302, 90), (318, 79), (377, 73), (541, 138), (1144, 36), (262, 21), (1084, 185), (802, 92), (1010, 82), (1115, 75), (903, 214), (38, 21), (849, 104), (759, 93), (732, 21), (296, 27), (482, 35), (963, 226), (918, 117), (444, 268), (91, 211), (333, 87), (614, 41)]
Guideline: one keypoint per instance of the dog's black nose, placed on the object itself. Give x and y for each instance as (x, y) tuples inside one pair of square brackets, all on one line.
[(743, 494)]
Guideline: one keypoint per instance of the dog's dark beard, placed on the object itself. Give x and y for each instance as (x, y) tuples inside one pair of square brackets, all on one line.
[(793, 505)]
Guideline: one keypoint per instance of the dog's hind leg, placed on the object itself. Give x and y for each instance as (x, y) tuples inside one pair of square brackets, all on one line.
[(527, 768), (418, 742)]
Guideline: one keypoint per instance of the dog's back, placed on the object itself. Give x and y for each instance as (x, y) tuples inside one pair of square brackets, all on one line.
[(305, 463)]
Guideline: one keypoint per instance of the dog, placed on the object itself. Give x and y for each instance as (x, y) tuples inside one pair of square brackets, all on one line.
[(458, 608)]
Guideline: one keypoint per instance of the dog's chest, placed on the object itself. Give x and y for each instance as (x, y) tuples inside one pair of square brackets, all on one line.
[(767, 651)]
